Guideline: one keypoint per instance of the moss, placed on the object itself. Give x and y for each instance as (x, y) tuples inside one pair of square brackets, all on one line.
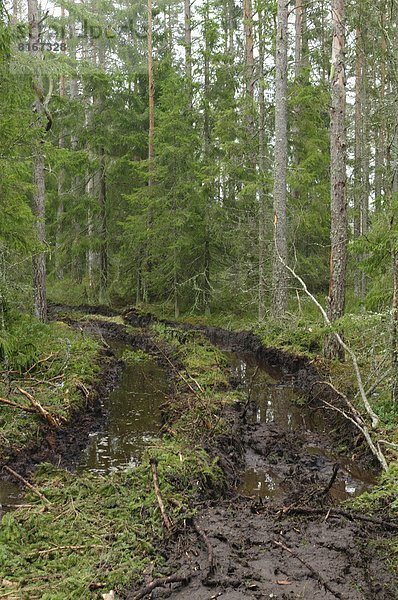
[(50, 362), (103, 531), (132, 357)]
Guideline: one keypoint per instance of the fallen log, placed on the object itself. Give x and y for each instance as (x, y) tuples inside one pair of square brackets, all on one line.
[(51, 420)]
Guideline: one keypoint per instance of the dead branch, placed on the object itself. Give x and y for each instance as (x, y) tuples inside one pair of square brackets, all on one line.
[(28, 409), (166, 520), (51, 420), (365, 432), (178, 372), (206, 541), (160, 582), (374, 418), (27, 484), (317, 575), (339, 512)]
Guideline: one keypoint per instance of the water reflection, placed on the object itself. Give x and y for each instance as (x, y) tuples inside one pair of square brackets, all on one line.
[(133, 421)]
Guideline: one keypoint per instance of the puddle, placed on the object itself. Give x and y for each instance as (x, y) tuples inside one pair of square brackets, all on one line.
[(133, 418), (275, 402)]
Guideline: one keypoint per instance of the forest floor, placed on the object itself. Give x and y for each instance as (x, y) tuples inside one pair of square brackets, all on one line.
[(300, 542)]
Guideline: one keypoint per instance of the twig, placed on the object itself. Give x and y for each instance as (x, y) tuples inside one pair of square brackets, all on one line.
[(210, 553), (317, 575), (339, 512), (159, 582), (27, 484), (332, 480), (166, 520), (374, 418), (61, 548)]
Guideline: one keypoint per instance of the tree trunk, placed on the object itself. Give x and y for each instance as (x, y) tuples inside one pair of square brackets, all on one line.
[(39, 258), (61, 177), (188, 47), (262, 212), (279, 276), (338, 256), (103, 230), (358, 175)]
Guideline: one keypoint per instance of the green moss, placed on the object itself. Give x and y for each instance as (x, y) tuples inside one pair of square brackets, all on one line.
[(50, 362)]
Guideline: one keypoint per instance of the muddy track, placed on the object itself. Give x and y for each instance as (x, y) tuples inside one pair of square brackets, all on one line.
[(262, 550), (259, 549)]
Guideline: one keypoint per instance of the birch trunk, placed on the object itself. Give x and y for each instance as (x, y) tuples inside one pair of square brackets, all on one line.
[(338, 256), (279, 277)]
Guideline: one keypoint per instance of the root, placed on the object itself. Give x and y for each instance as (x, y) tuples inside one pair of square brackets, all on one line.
[(159, 582), (317, 575), (339, 512)]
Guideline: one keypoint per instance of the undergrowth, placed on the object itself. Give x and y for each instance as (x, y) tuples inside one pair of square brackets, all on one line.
[(50, 362), (101, 532)]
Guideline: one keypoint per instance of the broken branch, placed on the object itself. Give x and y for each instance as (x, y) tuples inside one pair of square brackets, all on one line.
[(317, 575), (166, 520), (27, 484)]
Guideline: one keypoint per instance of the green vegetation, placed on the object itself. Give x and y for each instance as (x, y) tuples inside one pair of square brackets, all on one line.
[(132, 357), (54, 364), (99, 533)]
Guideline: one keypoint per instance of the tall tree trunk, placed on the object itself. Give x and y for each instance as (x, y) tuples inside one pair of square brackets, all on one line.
[(338, 256), (103, 230), (358, 175), (188, 47), (39, 258), (262, 212), (380, 141), (61, 176), (249, 48), (279, 276)]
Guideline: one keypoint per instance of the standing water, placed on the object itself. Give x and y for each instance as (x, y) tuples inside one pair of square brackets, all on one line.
[(133, 417)]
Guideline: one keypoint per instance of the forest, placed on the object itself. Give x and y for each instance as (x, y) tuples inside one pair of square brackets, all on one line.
[(198, 299)]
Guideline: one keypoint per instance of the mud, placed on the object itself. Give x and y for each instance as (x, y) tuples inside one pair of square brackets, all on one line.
[(324, 556)]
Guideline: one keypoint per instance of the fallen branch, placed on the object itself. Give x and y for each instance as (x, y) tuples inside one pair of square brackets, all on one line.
[(51, 420), (180, 375), (210, 553), (374, 418), (28, 409), (166, 520), (339, 512), (160, 581), (317, 575), (365, 432), (27, 484), (62, 548)]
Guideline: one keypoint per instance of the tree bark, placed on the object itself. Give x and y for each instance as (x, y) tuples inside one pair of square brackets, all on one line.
[(262, 244), (338, 256), (39, 258), (188, 47), (279, 278)]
